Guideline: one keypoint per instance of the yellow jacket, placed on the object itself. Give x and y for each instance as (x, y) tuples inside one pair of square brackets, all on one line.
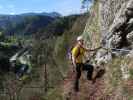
[(78, 53)]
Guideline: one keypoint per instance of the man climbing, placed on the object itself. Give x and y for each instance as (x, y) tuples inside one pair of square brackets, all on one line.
[(77, 59)]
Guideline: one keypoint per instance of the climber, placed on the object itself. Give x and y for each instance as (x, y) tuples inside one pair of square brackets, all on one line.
[(77, 60)]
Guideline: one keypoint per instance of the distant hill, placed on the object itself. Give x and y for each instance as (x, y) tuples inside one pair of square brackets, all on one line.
[(41, 24), (64, 25), (27, 23), (52, 14)]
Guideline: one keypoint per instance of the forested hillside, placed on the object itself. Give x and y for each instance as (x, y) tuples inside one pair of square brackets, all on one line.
[(25, 24), (50, 39)]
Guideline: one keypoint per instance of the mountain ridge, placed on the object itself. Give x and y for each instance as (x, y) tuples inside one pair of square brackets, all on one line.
[(51, 14), (10, 23)]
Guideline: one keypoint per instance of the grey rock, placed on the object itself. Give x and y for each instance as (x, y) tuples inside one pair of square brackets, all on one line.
[(116, 22), (102, 57), (130, 55), (116, 26)]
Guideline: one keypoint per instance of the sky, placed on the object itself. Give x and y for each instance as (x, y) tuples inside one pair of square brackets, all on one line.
[(64, 7)]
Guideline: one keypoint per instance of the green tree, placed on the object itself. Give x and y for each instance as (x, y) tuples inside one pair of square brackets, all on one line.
[(85, 4), (2, 36)]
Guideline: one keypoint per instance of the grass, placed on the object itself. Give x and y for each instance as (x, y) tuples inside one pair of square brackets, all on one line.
[(114, 80), (131, 74)]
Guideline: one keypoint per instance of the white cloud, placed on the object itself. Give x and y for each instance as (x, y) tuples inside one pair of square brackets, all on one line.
[(1, 7), (70, 11), (11, 7), (12, 13), (25, 9)]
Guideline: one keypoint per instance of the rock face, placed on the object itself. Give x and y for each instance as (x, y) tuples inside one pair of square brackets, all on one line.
[(116, 23), (114, 20), (111, 25), (116, 26)]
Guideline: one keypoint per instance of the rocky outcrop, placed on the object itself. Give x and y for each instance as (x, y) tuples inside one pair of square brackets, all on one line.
[(116, 26), (116, 23), (111, 26)]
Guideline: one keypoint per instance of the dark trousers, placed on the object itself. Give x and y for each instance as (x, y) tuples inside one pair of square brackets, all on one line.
[(82, 67)]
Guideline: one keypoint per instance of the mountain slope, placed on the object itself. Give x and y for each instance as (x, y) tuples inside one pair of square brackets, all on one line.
[(64, 25), (52, 14), (25, 23), (110, 26), (49, 53)]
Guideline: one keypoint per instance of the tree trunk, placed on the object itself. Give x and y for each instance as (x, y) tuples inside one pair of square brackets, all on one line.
[(45, 78)]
